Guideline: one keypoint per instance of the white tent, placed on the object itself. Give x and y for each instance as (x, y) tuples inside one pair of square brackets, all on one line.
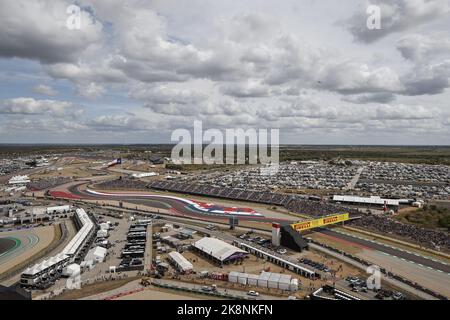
[(96, 255), (182, 263), (102, 233), (99, 254), (71, 269), (217, 248), (104, 226)]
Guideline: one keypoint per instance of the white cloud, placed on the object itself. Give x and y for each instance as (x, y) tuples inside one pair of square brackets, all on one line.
[(352, 77), (165, 94), (227, 67), (90, 90), (37, 30), (45, 90), (54, 126), (245, 89), (30, 106), (379, 97), (82, 72), (121, 123), (420, 48), (428, 79)]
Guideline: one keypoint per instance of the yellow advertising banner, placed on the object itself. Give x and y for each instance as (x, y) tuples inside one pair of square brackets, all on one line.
[(315, 223)]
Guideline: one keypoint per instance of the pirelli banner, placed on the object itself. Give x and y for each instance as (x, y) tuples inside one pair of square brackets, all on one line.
[(315, 223)]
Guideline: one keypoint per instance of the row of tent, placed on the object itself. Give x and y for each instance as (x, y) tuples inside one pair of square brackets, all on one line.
[(265, 280)]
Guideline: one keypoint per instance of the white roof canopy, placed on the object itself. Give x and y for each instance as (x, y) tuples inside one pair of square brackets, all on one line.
[(217, 248), (367, 200)]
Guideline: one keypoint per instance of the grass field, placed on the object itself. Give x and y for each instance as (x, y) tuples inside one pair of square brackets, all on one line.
[(430, 216)]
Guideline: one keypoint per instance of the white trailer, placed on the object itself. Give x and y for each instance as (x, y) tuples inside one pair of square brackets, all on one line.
[(263, 279), (233, 276), (273, 280), (242, 278), (252, 280)]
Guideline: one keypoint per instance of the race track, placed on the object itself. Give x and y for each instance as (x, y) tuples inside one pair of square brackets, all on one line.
[(11, 247), (7, 244), (402, 254), (27, 243), (179, 206)]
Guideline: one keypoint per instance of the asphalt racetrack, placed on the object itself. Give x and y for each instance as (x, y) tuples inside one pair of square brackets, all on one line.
[(7, 244), (162, 202), (417, 259), (12, 247), (180, 208)]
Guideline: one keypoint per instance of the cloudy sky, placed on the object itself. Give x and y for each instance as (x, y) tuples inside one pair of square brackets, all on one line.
[(137, 70)]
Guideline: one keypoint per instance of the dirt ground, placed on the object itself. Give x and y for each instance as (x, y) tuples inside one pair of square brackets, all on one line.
[(79, 169), (157, 294), (95, 288), (145, 167), (134, 291)]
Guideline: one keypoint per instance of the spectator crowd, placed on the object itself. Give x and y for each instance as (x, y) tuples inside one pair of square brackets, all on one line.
[(425, 237)]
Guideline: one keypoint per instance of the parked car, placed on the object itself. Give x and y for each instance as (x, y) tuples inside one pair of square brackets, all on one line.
[(209, 288), (206, 289), (253, 293), (398, 296)]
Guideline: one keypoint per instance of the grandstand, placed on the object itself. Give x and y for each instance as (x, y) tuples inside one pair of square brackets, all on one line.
[(220, 192), (294, 203), (120, 184), (425, 237)]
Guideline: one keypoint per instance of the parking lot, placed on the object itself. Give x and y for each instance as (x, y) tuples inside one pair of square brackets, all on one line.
[(358, 287), (388, 179)]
